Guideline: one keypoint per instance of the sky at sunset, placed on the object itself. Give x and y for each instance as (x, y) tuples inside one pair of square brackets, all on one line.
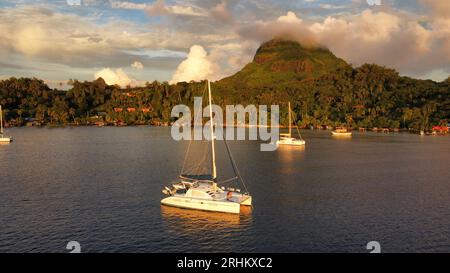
[(131, 42)]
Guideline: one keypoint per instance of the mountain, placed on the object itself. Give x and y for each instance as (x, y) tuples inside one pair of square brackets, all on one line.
[(284, 62), (322, 88)]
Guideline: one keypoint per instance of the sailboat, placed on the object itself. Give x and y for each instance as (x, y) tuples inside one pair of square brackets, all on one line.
[(287, 139), (202, 191), (3, 138)]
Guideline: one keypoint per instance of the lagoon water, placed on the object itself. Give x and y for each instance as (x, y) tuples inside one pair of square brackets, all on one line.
[(102, 188)]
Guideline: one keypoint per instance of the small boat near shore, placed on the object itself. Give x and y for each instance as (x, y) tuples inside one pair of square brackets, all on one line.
[(340, 131), (3, 138)]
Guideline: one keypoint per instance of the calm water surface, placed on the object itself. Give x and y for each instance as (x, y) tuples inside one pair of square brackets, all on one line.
[(102, 188)]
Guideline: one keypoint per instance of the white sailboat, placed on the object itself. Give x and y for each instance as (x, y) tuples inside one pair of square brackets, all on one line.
[(3, 138), (287, 139), (202, 192)]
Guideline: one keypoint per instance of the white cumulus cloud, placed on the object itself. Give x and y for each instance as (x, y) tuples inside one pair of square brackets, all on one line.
[(137, 65), (117, 76), (196, 67), (385, 37), (290, 17)]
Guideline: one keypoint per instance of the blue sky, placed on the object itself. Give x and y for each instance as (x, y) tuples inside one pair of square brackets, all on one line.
[(131, 42)]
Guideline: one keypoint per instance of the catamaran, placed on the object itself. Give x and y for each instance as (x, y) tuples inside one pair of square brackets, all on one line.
[(287, 139), (3, 138), (202, 191)]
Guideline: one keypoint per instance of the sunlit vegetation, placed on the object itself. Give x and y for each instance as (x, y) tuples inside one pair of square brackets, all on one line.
[(323, 90)]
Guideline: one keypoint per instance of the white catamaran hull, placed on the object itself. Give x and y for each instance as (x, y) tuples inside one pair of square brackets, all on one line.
[(199, 204), (5, 139)]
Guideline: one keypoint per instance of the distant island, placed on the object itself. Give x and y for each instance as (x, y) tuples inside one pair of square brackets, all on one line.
[(324, 91)]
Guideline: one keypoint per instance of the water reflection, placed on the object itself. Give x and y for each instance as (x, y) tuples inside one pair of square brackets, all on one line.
[(342, 137), (102, 187), (207, 231), (289, 156), (187, 217)]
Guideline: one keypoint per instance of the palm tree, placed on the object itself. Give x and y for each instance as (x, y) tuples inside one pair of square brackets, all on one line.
[(72, 112)]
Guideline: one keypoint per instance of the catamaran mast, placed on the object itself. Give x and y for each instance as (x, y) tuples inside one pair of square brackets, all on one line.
[(1, 120), (289, 104), (213, 152)]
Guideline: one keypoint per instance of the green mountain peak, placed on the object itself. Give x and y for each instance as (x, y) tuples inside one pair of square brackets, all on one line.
[(280, 61)]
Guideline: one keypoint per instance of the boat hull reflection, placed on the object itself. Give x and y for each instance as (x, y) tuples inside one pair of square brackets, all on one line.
[(193, 216)]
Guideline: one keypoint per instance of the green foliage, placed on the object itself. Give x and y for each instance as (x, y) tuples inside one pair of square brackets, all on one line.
[(322, 89)]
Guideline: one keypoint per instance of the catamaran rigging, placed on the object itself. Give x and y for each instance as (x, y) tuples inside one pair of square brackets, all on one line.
[(287, 139), (201, 191)]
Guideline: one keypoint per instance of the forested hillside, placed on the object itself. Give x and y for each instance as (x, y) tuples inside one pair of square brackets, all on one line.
[(323, 89)]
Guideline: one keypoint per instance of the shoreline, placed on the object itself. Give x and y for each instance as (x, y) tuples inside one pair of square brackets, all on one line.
[(372, 130)]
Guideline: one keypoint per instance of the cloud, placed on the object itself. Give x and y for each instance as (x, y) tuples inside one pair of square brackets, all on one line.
[(369, 27), (222, 60), (384, 37), (185, 10), (229, 58), (196, 67), (31, 35), (158, 8), (221, 12), (438, 8), (387, 38), (73, 2), (127, 5), (287, 27), (137, 65), (118, 77), (290, 17), (38, 33), (230, 30)]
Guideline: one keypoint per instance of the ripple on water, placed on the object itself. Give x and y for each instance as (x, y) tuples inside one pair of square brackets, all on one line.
[(102, 187)]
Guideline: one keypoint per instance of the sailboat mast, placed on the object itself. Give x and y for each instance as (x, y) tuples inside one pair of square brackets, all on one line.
[(1, 120), (289, 104), (213, 152)]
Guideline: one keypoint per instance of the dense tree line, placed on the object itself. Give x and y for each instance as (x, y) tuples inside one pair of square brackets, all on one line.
[(368, 96), (27, 99)]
